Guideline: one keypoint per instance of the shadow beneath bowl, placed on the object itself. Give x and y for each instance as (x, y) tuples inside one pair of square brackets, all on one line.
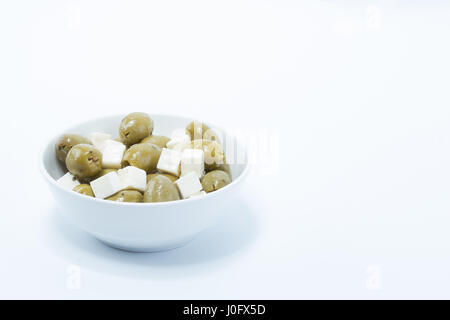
[(237, 230)]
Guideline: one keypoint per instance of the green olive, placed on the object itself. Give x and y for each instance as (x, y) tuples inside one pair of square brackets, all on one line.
[(215, 180), (161, 189), (213, 152), (126, 196), (84, 189), (66, 142), (100, 174), (160, 141), (198, 130), (171, 177), (144, 156), (211, 135), (135, 127), (103, 172), (225, 167), (84, 161)]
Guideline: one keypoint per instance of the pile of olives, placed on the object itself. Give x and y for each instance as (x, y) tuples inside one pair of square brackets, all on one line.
[(143, 149)]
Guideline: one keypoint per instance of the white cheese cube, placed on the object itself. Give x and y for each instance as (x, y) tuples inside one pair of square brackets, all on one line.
[(106, 185), (188, 185), (132, 178), (68, 181), (192, 160), (98, 138), (112, 154), (169, 161), (108, 143), (178, 142), (200, 193)]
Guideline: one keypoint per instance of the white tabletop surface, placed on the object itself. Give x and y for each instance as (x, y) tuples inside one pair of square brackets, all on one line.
[(357, 93)]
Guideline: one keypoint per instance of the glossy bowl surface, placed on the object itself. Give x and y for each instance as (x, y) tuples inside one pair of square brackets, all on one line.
[(142, 227)]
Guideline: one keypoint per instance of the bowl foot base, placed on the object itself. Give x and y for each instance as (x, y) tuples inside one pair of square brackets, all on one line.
[(146, 249)]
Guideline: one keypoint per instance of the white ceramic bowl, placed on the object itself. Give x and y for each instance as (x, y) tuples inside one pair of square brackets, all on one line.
[(141, 227)]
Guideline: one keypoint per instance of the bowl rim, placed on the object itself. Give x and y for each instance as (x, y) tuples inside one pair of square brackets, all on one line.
[(216, 193)]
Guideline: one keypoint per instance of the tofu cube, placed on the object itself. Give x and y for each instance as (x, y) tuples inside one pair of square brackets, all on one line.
[(106, 185), (68, 181), (169, 162), (200, 193), (188, 185), (192, 160), (112, 154), (132, 178), (99, 138), (178, 141)]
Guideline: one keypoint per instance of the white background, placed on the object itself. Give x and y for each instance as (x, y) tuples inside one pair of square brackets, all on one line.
[(358, 92)]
